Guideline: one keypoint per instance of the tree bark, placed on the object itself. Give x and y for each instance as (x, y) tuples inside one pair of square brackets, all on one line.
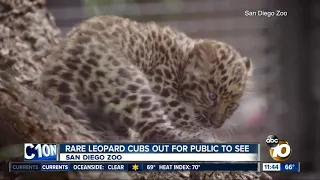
[(27, 34)]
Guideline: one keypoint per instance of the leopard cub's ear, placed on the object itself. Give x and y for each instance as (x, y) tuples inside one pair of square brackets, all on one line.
[(247, 62)]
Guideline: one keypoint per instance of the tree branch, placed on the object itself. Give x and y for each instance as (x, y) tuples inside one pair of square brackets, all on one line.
[(35, 118)]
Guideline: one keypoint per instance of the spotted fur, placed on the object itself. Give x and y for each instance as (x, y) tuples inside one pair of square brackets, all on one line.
[(112, 74)]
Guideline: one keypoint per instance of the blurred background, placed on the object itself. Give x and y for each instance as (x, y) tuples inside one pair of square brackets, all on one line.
[(285, 97)]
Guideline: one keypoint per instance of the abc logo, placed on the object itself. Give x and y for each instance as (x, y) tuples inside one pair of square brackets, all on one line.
[(280, 150)]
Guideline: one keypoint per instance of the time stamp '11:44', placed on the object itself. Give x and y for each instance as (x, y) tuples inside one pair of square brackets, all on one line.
[(281, 167)]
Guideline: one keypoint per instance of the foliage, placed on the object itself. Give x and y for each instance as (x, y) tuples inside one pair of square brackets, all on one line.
[(93, 5)]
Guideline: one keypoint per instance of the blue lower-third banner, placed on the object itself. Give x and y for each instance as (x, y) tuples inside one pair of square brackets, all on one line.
[(48, 167)]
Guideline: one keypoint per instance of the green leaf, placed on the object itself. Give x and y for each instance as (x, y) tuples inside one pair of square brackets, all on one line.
[(12, 151)]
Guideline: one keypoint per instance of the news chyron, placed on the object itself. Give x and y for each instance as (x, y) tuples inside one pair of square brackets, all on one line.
[(40, 152), (279, 150)]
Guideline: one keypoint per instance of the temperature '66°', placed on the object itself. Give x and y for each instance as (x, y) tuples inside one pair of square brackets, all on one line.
[(290, 167)]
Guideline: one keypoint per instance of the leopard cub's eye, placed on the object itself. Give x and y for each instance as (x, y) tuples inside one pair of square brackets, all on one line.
[(212, 96)]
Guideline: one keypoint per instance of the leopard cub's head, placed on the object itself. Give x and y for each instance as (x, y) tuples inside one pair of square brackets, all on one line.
[(214, 80)]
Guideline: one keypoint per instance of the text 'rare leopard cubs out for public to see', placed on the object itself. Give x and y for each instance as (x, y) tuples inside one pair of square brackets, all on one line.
[(113, 74)]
